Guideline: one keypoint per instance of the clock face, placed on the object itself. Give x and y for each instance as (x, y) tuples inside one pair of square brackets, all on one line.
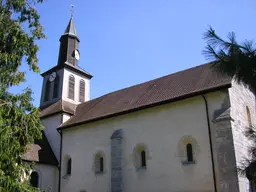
[(52, 76), (76, 54)]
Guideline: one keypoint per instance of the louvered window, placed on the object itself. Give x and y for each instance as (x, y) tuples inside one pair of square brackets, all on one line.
[(47, 90), (56, 87), (71, 87), (81, 91)]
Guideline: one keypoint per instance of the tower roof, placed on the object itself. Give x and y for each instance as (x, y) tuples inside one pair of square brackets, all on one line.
[(71, 30)]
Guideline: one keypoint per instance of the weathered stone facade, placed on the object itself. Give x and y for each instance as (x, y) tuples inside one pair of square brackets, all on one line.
[(240, 97), (117, 161), (226, 162)]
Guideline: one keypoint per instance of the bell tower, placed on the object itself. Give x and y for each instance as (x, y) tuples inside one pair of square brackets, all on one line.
[(66, 81), (69, 44), (64, 87)]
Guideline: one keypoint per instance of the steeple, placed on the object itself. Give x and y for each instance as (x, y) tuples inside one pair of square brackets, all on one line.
[(69, 44), (66, 81), (71, 29)]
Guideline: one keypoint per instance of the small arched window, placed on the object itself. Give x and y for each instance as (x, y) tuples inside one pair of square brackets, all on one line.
[(143, 158), (249, 117), (140, 155), (47, 90), (56, 87), (81, 90), (71, 87), (34, 179), (189, 152), (99, 163), (69, 164)]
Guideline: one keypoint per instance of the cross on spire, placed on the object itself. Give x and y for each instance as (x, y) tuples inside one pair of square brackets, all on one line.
[(72, 10)]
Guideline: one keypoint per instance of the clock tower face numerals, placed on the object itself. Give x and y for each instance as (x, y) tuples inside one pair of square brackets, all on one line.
[(52, 76)]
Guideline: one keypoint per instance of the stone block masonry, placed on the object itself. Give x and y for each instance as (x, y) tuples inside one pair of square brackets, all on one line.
[(117, 161)]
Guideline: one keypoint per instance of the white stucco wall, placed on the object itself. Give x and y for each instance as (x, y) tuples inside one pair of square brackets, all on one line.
[(160, 129), (77, 77), (51, 124), (65, 117), (48, 177), (241, 97)]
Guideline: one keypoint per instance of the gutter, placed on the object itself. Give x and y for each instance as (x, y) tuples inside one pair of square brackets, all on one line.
[(210, 140), (59, 184), (60, 161)]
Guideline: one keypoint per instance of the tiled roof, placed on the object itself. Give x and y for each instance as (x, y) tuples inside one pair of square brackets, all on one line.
[(180, 85), (40, 152), (59, 106)]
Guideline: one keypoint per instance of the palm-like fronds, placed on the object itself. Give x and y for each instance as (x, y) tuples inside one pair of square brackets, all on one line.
[(237, 61), (231, 58), (247, 166)]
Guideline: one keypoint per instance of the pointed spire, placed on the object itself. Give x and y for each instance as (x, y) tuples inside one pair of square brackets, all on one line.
[(71, 30)]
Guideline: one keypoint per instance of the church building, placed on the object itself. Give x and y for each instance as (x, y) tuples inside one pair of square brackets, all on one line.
[(183, 132)]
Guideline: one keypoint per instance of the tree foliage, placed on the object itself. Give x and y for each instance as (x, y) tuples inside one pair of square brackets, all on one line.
[(239, 62), (234, 59), (19, 119)]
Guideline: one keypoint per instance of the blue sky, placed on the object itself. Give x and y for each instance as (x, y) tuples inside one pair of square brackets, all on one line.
[(129, 42)]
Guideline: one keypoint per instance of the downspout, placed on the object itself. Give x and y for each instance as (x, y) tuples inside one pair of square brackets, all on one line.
[(60, 157), (210, 140)]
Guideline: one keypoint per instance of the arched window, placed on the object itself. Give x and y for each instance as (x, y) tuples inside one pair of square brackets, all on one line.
[(69, 164), (99, 163), (71, 87), (47, 90), (249, 117), (143, 158), (34, 179), (189, 152), (81, 91), (56, 87), (140, 155)]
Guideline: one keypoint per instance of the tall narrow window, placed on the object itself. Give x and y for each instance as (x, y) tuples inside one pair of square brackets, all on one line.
[(69, 167), (101, 164), (71, 87), (143, 159), (56, 87), (34, 178), (47, 90), (249, 118), (81, 91), (189, 152)]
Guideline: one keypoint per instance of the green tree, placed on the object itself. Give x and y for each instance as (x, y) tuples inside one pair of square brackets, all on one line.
[(238, 61), (19, 119)]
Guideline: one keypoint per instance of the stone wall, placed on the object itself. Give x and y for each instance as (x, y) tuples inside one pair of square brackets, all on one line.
[(240, 97)]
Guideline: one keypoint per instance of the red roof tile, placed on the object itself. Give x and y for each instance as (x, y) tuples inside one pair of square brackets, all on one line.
[(175, 86), (59, 106), (40, 152)]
